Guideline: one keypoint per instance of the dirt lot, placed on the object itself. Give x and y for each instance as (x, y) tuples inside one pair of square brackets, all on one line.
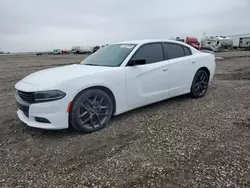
[(181, 142)]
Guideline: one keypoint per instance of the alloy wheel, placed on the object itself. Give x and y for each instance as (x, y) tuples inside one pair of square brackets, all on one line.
[(201, 83), (93, 112)]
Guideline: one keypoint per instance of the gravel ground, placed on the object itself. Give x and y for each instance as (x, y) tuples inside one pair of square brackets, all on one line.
[(181, 142)]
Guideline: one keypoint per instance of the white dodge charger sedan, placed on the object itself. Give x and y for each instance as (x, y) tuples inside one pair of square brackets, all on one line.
[(117, 78)]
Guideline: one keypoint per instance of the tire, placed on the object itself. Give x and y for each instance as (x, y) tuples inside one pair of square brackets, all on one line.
[(200, 84), (91, 110)]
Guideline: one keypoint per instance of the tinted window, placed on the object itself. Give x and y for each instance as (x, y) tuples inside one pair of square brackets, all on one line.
[(150, 52), (111, 55), (187, 50), (174, 51)]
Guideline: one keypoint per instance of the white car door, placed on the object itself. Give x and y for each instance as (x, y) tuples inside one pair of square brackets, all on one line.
[(182, 68), (148, 83)]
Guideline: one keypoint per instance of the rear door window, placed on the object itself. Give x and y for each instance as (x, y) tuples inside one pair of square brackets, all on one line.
[(173, 51), (187, 51)]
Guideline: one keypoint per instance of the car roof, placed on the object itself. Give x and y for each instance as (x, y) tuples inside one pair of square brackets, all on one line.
[(144, 41)]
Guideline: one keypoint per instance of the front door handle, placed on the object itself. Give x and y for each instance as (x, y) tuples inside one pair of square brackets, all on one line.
[(193, 62), (165, 70)]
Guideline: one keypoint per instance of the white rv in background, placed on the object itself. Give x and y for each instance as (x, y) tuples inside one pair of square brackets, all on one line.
[(244, 42), (217, 43)]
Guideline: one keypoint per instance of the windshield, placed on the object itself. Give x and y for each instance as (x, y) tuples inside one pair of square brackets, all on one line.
[(111, 55)]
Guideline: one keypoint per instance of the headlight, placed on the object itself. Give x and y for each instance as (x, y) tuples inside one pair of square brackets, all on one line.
[(45, 96)]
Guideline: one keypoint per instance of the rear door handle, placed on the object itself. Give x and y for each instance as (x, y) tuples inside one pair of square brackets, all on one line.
[(193, 62), (165, 70)]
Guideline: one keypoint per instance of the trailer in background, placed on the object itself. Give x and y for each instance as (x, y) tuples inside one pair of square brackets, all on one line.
[(241, 41), (217, 43), (81, 49), (244, 42)]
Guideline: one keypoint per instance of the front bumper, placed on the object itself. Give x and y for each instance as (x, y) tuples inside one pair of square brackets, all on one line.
[(55, 112)]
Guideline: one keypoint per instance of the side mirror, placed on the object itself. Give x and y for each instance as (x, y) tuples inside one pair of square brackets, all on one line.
[(134, 62)]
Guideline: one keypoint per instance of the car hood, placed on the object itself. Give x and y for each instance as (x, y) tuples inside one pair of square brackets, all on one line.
[(60, 74)]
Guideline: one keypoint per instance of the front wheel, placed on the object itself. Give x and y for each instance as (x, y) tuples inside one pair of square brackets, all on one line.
[(200, 84), (91, 110)]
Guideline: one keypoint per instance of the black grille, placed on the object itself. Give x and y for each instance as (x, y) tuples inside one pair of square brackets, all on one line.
[(26, 113), (26, 96)]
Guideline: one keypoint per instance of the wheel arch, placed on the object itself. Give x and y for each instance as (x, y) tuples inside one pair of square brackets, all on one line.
[(103, 88), (204, 69)]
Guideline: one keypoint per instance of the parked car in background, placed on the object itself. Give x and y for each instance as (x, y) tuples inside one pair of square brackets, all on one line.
[(115, 79)]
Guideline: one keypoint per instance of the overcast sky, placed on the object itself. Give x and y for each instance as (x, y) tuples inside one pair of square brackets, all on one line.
[(31, 25)]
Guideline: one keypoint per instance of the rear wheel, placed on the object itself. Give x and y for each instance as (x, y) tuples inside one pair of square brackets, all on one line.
[(200, 84), (91, 111)]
